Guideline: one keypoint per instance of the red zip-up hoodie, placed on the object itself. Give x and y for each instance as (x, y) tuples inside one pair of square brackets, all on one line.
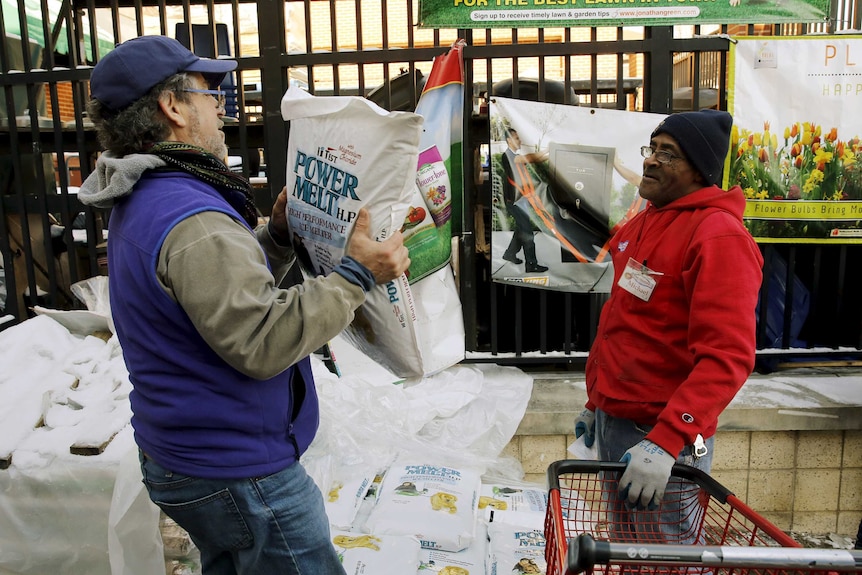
[(676, 360)]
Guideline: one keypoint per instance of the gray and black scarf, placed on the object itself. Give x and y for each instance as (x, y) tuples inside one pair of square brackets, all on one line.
[(234, 188)]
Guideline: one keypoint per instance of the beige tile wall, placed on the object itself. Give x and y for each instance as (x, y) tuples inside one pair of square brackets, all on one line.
[(803, 481)]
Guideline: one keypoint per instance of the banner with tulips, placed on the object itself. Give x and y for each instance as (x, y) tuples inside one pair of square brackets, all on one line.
[(796, 144)]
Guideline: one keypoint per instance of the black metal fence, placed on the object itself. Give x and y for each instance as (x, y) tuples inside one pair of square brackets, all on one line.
[(49, 241)]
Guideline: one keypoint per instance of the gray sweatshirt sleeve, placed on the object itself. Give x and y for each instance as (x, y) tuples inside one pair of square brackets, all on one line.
[(216, 270), (281, 258)]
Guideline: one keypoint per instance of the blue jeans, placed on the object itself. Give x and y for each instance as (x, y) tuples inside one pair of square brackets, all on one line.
[(678, 519), (273, 524)]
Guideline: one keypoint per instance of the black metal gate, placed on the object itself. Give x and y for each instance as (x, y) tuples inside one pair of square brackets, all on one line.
[(49, 241)]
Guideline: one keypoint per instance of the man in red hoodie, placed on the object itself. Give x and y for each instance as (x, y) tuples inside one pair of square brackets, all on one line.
[(676, 338)]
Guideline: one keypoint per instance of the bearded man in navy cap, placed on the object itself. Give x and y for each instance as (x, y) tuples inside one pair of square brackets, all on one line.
[(223, 396), (676, 338)]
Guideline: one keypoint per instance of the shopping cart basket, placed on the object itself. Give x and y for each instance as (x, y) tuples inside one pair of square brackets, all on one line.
[(587, 530)]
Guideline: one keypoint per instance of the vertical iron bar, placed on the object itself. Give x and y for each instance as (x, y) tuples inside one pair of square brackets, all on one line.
[(519, 325), (467, 241), (333, 47), (842, 277), (567, 72), (359, 45), (494, 317), (594, 71), (762, 318), (660, 70), (622, 98), (543, 321), (273, 84), (568, 324), (789, 282)]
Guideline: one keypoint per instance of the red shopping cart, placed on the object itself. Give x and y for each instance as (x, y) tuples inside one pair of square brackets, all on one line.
[(586, 531)]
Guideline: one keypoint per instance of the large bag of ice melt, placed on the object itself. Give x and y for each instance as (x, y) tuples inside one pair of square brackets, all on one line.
[(365, 554), (345, 153), (434, 503), (514, 549)]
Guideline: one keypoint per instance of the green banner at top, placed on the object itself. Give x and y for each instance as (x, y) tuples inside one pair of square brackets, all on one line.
[(567, 13)]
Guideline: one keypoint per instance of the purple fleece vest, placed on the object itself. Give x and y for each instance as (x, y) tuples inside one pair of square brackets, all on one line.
[(193, 413)]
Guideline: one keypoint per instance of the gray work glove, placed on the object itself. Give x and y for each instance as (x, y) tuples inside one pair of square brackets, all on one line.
[(646, 475), (585, 424)]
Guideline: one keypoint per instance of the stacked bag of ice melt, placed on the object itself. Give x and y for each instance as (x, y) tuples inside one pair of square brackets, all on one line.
[(428, 517), (435, 503)]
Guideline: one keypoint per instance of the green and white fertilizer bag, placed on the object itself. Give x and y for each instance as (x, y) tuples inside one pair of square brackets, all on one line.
[(434, 503), (345, 153)]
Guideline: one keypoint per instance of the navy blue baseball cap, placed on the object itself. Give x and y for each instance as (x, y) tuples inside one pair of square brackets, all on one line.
[(131, 69)]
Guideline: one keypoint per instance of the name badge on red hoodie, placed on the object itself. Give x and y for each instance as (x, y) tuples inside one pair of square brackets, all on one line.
[(638, 280)]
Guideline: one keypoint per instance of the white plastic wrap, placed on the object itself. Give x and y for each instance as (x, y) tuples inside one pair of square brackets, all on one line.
[(513, 502), (464, 416), (468, 561), (134, 541), (96, 319), (54, 511), (579, 450), (93, 292)]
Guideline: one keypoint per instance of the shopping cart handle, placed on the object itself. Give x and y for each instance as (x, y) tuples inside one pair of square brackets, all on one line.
[(585, 552), (570, 466)]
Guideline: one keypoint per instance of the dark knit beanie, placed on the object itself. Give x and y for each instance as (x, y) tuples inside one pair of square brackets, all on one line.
[(703, 137)]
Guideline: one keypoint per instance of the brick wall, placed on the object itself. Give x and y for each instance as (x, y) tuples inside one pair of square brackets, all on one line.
[(64, 99), (800, 480)]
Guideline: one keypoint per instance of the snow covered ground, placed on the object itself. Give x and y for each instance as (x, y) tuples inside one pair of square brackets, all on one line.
[(65, 436)]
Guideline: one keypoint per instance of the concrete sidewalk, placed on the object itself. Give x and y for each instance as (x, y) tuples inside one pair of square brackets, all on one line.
[(806, 398)]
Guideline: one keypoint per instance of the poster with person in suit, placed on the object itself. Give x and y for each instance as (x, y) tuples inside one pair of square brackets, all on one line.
[(563, 179)]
